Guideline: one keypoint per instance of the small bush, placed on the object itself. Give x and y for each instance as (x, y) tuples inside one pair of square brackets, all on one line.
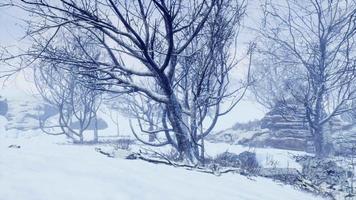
[(124, 144), (322, 171), (227, 159), (246, 161)]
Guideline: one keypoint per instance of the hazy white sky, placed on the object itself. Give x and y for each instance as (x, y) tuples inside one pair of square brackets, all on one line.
[(12, 30)]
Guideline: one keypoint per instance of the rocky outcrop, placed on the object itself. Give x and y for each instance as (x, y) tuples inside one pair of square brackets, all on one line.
[(288, 129), (285, 128), (287, 122), (4, 107)]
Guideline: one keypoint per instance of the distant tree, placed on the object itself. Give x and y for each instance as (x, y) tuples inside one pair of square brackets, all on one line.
[(74, 95), (309, 46)]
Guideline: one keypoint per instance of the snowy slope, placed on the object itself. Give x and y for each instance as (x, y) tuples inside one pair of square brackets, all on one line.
[(45, 168), (48, 168)]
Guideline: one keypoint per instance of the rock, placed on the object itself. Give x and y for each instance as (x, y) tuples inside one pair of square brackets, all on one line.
[(249, 126), (289, 143), (288, 132), (269, 140), (280, 128), (285, 123), (289, 128)]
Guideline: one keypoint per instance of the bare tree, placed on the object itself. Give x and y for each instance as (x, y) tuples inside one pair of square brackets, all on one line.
[(72, 94), (205, 76), (143, 42), (201, 84), (314, 41), (271, 77), (271, 81)]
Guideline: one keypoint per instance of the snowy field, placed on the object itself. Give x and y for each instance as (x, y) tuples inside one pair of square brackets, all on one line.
[(46, 168)]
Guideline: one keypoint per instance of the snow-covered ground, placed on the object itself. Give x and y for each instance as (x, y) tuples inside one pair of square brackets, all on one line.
[(46, 168)]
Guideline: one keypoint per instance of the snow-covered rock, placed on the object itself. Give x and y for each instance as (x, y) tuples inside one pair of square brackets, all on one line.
[(285, 128)]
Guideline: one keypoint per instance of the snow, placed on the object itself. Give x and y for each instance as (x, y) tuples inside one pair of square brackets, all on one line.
[(47, 168)]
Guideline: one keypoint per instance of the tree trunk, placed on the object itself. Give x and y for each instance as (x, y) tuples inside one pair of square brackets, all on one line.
[(319, 142), (81, 138), (117, 126), (184, 141), (151, 136), (81, 135), (96, 135), (202, 154), (194, 128), (69, 133)]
